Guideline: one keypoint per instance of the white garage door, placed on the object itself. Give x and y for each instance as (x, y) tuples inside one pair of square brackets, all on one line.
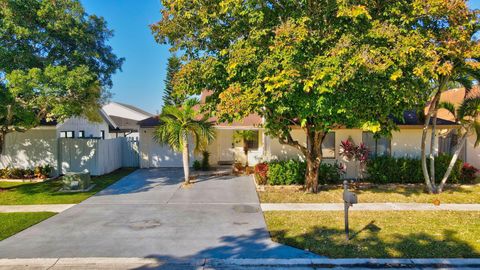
[(154, 155)]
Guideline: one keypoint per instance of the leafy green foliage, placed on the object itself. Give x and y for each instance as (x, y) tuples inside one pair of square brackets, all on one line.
[(54, 63), (197, 165), (287, 172), (205, 161), (329, 174), (387, 169), (19, 173)]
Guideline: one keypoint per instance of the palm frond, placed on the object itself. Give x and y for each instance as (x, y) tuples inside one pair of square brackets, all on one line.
[(450, 107), (178, 123), (470, 108)]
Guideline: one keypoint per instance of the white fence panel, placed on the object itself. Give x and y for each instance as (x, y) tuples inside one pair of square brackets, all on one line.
[(109, 155), (77, 155), (130, 152)]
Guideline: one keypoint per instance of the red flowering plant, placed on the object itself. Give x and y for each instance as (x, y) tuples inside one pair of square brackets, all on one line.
[(261, 171), (469, 173), (352, 152)]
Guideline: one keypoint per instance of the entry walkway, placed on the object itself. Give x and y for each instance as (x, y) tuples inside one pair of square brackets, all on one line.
[(148, 215)]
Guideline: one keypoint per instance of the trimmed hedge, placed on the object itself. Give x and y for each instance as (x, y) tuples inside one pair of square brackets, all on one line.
[(286, 172), (386, 169), (292, 172)]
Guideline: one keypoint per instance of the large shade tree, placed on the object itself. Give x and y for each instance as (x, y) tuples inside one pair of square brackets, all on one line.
[(321, 64), (54, 63), (181, 126)]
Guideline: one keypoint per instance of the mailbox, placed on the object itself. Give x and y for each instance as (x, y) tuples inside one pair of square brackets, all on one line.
[(350, 197)]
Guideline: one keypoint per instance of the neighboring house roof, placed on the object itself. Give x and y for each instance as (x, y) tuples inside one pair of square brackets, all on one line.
[(456, 97), (125, 124), (410, 118), (135, 109)]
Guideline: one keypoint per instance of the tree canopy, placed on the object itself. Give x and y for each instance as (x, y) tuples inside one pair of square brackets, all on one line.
[(54, 62), (316, 64)]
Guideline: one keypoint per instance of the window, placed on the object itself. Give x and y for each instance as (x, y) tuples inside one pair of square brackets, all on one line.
[(376, 147), (328, 145), (81, 134), (253, 144), (102, 134), (67, 134)]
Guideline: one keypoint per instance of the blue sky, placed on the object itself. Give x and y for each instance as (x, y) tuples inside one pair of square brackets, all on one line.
[(141, 81)]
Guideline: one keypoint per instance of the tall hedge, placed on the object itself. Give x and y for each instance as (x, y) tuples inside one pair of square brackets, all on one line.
[(386, 169)]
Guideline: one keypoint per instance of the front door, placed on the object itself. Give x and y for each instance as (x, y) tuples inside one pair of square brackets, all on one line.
[(225, 139)]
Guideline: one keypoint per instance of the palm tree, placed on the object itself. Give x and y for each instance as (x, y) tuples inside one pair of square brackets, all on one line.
[(245, 136), (178, 124), (466, 115)]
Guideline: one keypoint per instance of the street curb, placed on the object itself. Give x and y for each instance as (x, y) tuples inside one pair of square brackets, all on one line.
[(327, 263)]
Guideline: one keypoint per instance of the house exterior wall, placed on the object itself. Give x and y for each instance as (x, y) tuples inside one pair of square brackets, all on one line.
[(408, 142), (153, 155), (79, 123), (35, 147), (473, 154)]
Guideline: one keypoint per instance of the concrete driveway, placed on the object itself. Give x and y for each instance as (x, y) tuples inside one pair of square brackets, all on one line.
[(147, 214)]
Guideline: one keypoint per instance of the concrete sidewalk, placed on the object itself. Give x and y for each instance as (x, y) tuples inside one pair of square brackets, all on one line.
[(56, 208), (367, 207), (206, 263)]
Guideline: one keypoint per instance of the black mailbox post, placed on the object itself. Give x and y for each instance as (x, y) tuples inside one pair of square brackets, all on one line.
[(349, 199)]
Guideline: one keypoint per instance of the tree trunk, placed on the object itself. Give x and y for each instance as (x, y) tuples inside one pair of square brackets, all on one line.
[(186, 160), (313, 158), (312, 153), (311, 175), (431, 110), (432, 147), (458, 149), (245, 151)]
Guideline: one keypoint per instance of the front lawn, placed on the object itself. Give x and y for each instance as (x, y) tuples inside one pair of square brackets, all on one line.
[(379, 194), (380, 234), (47, 192), (12, 223)]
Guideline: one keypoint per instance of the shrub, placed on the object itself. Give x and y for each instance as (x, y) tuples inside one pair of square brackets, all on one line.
[(197, 165), (286, 172), (205, 166), (19, 173), (387, 169), (329, 173), (43, 171), (469, 174), (261, 172)]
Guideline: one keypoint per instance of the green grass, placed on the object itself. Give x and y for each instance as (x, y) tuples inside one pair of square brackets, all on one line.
[(380, 194), (380, 234), (47, 192), (12, 223)]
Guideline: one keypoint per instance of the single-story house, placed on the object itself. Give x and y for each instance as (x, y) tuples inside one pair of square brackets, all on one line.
[(224, 150)]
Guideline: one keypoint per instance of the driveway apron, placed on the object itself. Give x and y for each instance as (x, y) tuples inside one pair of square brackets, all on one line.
[(149, 214)]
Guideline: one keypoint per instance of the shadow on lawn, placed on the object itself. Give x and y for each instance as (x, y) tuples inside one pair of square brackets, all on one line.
[(367, 243)]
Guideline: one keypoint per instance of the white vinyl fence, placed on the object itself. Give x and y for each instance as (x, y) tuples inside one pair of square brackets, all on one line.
[(97, 156), (72, 155)]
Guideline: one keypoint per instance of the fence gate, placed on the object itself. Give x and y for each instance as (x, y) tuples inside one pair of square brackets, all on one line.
[(130, 152)]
